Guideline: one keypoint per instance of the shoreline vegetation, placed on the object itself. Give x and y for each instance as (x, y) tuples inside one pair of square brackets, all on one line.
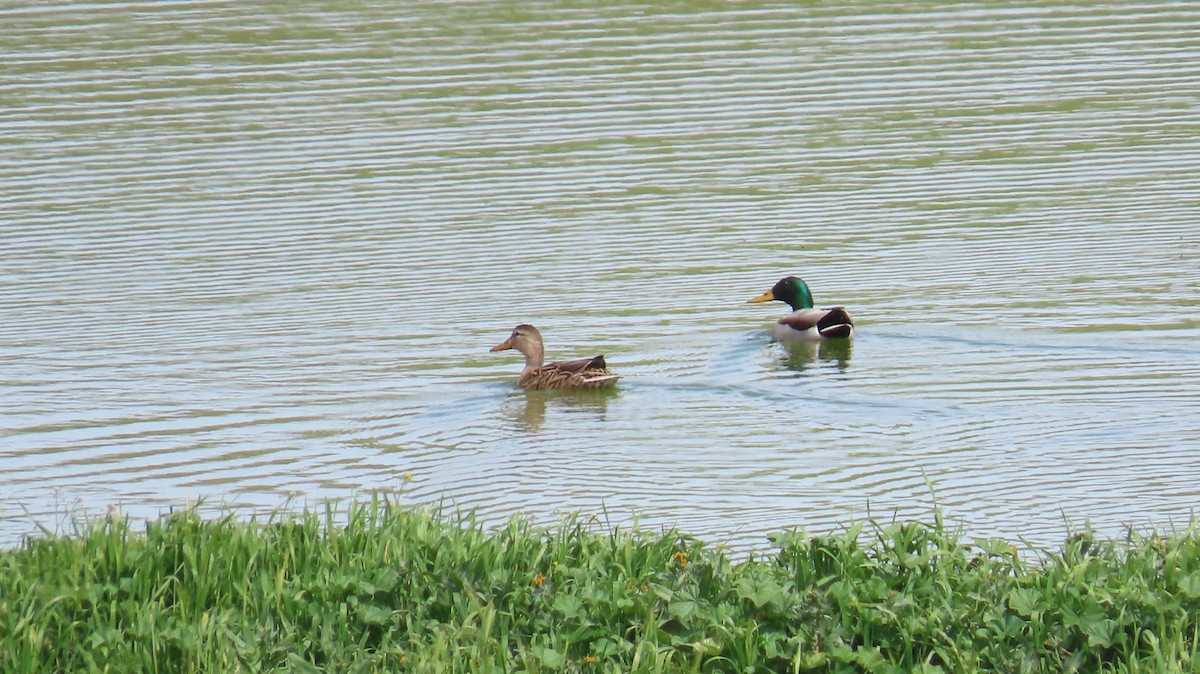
[(383, 587)]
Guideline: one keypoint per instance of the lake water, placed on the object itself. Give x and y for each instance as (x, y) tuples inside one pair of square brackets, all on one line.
[(255, 254)]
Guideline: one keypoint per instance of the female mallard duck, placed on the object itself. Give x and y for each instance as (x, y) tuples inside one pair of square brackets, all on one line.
[(805, 322), (583, 373)]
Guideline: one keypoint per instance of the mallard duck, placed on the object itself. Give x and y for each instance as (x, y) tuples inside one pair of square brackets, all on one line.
[(805, 322), (583, 373)]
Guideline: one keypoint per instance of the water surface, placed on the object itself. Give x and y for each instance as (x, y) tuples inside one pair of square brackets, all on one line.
[(256, 254)]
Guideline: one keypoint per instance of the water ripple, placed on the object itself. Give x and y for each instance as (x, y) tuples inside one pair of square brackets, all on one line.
[(257, 256)]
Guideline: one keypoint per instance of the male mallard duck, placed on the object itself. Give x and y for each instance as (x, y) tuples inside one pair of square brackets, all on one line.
[(583, 373), (805, 322)]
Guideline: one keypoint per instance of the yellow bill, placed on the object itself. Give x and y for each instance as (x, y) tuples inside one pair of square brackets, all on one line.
[(765, 297)]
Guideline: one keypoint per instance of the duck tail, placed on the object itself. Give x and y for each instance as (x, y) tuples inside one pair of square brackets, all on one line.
[(599, 380)]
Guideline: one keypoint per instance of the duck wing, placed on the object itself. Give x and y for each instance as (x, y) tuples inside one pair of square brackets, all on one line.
[(803, 320), (580, 365), (812, 323), (583, 373), (835, 323)]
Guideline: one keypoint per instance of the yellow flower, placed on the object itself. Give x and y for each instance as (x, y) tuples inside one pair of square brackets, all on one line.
[(681, 558), (590, 660), (539, 580)]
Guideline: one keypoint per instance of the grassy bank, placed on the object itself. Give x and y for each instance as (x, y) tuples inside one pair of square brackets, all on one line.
[(394, 589)]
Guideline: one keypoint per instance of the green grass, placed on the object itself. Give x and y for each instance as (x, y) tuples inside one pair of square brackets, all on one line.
[(386, 588)]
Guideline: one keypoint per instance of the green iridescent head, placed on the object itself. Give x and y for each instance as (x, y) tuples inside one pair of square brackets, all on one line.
[(790, 289)]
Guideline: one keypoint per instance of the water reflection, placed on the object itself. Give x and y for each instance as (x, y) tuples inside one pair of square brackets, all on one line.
[(528, 410), (802, 356)]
